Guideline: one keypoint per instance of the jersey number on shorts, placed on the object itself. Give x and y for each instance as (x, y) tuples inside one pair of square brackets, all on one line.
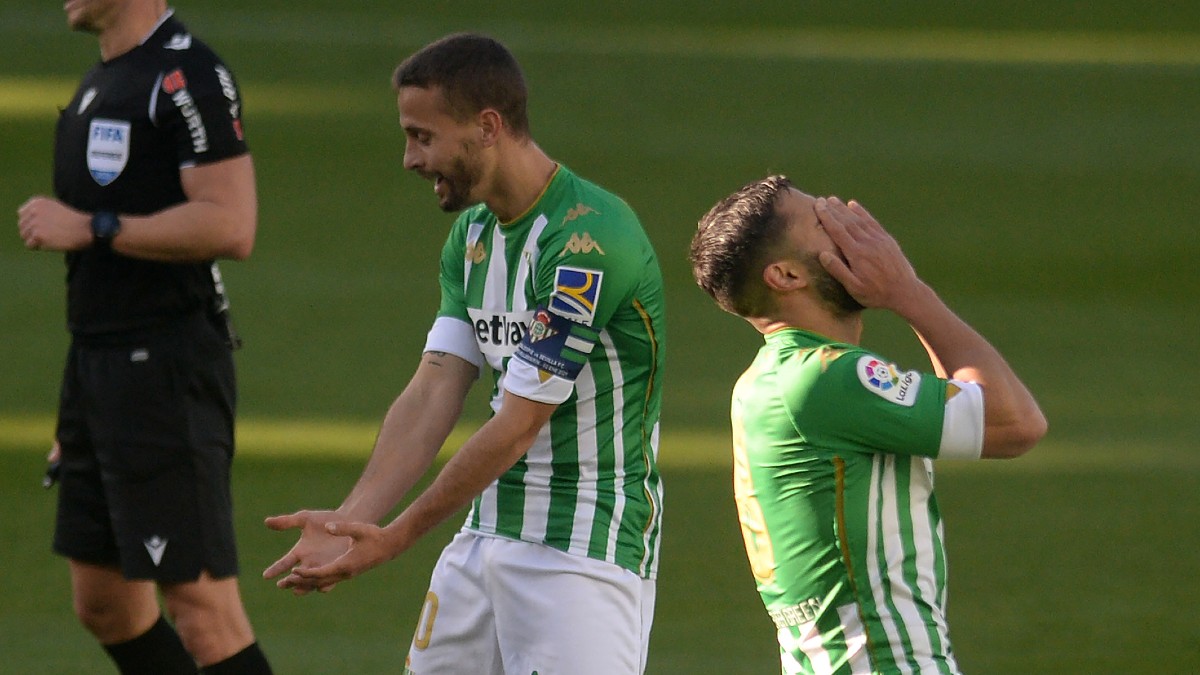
[(424, 630)]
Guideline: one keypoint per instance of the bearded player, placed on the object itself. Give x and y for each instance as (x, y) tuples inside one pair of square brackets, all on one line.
[(833, 445)]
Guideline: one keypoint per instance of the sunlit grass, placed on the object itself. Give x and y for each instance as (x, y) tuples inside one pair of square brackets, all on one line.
[(41, 97)]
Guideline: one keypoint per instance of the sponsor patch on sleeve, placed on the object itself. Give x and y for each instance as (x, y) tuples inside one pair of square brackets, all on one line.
[(557, 346), (576, 293), (885, 380)]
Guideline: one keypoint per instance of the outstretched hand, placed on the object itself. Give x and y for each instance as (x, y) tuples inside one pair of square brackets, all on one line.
[(370, 546), (316, 547), (872, 267)]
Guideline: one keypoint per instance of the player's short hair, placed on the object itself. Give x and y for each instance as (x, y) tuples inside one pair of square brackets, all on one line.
[(474, 72), (732, 242)]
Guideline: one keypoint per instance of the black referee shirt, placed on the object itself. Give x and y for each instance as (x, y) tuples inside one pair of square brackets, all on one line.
[(135, 121)]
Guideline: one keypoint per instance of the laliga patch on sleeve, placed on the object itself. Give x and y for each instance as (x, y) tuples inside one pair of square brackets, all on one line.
[(576, 293), (557, 346), (883, 379)]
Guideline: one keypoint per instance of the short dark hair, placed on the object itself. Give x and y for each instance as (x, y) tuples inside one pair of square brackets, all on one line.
[(474, 72), (733, 240)]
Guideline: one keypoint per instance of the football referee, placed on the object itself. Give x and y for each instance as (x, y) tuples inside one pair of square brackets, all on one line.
[(153, 182)]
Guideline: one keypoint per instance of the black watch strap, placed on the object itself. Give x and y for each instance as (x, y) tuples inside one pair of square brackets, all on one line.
[(105, 226)]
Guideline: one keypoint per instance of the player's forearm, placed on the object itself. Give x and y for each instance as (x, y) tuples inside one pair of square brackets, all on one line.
[(490, 451), (1013, 422), (409, 439)]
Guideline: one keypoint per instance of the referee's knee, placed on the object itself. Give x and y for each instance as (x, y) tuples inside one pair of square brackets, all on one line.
[(209, 617)]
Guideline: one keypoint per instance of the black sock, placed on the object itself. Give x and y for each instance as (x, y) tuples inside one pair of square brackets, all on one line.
[(249, 661), (158, 651)]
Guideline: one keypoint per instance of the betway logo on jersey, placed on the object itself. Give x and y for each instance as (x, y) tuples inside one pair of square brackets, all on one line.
[(175, 84), (107, 149), (883, 379), (499, 334)]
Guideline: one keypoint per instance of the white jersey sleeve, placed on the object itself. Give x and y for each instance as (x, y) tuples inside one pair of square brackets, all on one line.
[(962, 427)]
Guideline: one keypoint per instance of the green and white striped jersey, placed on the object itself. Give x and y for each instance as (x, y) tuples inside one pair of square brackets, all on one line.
[(565, 306), (834, 485)]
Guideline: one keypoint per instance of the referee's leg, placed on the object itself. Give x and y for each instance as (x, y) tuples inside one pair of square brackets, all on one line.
[(124, 617), (212, 622)]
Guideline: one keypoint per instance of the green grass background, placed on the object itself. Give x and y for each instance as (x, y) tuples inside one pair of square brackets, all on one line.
[(1040, 163)]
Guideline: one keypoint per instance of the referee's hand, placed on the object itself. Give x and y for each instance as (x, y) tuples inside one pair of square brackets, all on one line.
[(46, 224), (53, 465)]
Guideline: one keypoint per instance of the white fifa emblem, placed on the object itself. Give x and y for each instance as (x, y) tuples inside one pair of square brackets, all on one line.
[(107, 149)]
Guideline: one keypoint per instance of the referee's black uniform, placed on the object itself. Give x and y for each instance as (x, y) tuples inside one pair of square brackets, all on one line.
[(147, 404)]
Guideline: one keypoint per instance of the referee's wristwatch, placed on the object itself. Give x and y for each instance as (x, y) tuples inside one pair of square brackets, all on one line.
[(105, 226)]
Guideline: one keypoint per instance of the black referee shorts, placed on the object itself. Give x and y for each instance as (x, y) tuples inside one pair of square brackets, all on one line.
[(146, 429)]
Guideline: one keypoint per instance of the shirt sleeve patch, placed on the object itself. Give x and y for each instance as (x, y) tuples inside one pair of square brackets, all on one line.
[(576, 293), (556, 345), (885, 380)]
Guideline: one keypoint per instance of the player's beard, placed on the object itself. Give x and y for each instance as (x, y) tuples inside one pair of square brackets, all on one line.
[(460, 182), (830, 290)]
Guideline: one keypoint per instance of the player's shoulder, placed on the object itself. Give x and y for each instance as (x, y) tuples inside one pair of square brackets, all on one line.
[(857, 372), (583, 204)]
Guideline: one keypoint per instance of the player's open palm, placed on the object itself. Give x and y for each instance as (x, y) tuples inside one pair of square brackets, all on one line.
[(872, 267), (370, 546), (316, 547)]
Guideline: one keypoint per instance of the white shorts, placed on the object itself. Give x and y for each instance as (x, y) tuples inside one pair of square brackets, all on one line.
[(500, 606)]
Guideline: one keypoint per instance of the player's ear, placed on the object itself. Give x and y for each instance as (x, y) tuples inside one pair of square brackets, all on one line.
[(785, 275), (490, 124)]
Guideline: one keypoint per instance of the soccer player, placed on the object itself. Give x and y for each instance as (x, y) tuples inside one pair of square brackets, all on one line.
[(153, 182), (833, 444), (550, 285)]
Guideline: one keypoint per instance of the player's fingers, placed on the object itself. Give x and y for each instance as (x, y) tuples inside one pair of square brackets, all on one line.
[(355, 531), (282, 565), (325, 575), (287, 521), (833, 217), (838, 268)]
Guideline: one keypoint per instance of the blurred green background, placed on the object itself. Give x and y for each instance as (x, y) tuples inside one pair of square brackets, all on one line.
[(1039, 162)]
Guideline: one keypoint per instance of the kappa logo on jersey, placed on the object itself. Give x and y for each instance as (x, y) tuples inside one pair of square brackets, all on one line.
[(581, 244), (576, 293), (476, 253), (107, 149), (86, 100), (578, 211), (884, 380), (179, 42)]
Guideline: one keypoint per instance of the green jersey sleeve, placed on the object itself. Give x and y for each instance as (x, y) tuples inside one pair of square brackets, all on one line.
[(852, 400)]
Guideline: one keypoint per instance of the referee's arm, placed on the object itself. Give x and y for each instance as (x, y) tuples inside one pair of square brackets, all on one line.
[(219, 219)]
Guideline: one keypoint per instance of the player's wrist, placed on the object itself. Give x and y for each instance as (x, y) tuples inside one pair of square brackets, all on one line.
[(104, 225)]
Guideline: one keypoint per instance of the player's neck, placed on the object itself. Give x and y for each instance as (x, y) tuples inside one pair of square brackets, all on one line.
[(128, 29), (520, 180), (845, 329)]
